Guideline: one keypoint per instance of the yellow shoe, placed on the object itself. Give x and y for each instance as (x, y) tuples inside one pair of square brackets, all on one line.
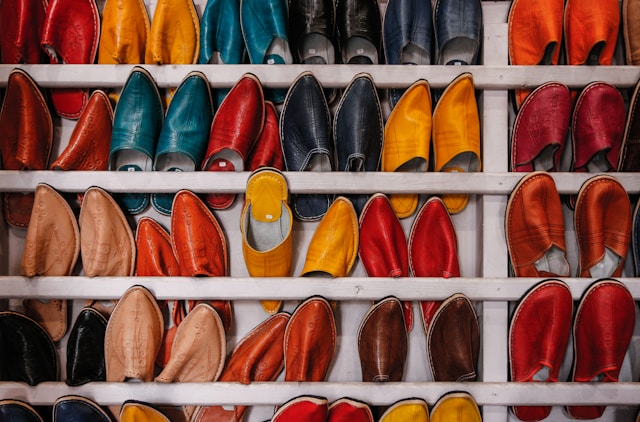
[(175, 34), (407, 135), (124, 32), (456, 135), (134, 411), (456, 407), (407, 410), (265, 224)]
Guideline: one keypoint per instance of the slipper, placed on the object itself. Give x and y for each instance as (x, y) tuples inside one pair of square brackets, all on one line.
[(591, 31), (124, 31), (635, 243), (174, 37), (456, 406), (22, 22), (17, 410), (412, 409), (303, 408), (85, 348), (457, 25), (78, 408), (630, 149)]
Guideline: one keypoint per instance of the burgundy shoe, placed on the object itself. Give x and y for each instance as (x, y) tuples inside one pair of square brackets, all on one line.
[(538, 337), (602, 331), (349, 410), (630, 150), (303, 408), (267, 151), (21, 22)]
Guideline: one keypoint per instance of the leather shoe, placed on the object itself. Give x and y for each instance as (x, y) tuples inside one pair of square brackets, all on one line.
[(154, 255), (78, 409), (458, 30), (136, 411), (631, 31), (21, 22), (591, 31), (124, 32), (235, 129), (456, 405), (18, 411), (309, 341), (635, 242), (602, 222), (26, 134), (534, 227), (602, 332), (539, 332), (303, 408), (267, 151), (540, 129), (413, 409), (383, 342), (359, 31), (630, 149), (453, 340), (85, 348), (312, 31), (349, 410), (175, 34)]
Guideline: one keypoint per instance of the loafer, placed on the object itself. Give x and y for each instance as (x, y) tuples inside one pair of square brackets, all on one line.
[(184, 134), (539, 332), (602, 332), (259, 356), (453, 340), (266, 223), (267, 151), (433, 249), (358, 130), (349, 410), (175, 34), (22, 22), (411, 409), (28, 353), (457, 405), (133, 337), (456, 135), (383, 342), (137, 121), (70, 36), (18, 411), (309, 341), (534, 227), (26, 137), (631, 32), (602, 221), (134, 411), (85, 348), (124, 32), (540, 129), (458, 31), (235, 129), (305, 126), (407, 138), (630, 149), (635, 242), (78, 408), (591, 31), (359, 31), (51, 248), (302, 408)]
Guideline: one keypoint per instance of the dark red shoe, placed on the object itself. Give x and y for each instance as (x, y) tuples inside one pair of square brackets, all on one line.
[(21, 22)]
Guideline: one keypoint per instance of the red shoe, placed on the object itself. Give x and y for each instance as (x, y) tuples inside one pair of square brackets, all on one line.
[(349, 410), (21, 22), (303, 408)]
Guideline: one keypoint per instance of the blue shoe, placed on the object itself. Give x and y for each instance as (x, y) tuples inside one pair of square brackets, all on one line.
[(458, 30), (78, 409), (18, 411), (137, 120)]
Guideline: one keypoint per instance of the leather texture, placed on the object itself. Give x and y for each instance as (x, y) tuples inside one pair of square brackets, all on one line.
[(540, 129), (539, 332), (266, 223), (349, 410), (591, 31), (309, 341), (407, 141), (358, 21), (303, 408), (602, 332), (85, 348), (18, 411), (635, 239), (602, 221), (26, 137), (458, 31), (267, 151), (136, 411), (175, 34), (383, 342), (534, 226), (28, 353), (453, 340), (631, 32), (456, 406), (312, 31), (154, 255), (456, 134), (358, 131), (137, 122), (410, 409), (630, 150), (124, 31), (133, 337), (22, 22), (433, 249), (78, 409), (70, 36), (235, 129), (306, 141)]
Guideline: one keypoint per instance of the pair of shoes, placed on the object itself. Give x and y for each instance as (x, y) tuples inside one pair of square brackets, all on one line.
[(318, 409), (534, 226), (539, 332), (144, 139), (451, 406), (22, 22)]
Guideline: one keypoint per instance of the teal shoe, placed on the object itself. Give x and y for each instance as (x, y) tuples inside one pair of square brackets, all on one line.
[(185, 133), (137, 121)]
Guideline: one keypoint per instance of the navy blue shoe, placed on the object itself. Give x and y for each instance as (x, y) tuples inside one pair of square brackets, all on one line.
[(359, 31), (78, 409), (458, 31), (18, 411)]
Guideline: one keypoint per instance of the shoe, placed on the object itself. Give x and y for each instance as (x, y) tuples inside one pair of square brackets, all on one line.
[(303, 408), (534, 227), (359, 31), (154, 257), (591, 31), (631, 31), (539, 332), (26, 137), (51, 248), (602, 331), (383, 342), (349, 410), (28, 353), (136, 411), (407, 138), (458, 31), (433, 249), (358, 130), (183, 138), (85, 348), (235, 129), (456, 405), (22, 22), (70, 36), (602, 221), (78, 409), (137, 121), (635, 240), (305, 126), (456, 134), (540, 129), (265, 223), (124, 32), (175, 34), (413, 409), (309, 341), (453, 340), (630, 149), (267, 151), (18, 411)]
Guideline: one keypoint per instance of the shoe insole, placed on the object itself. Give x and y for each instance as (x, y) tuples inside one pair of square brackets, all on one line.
[(319, 162), (268, 231), (278, 52), (599, 163), (359, 50), (225, 158), (317, 49), (413, 54), (541, 375), (593, 58), (458, 51), (416, 164), (174, 161), (606, 266), (131, 160), (553, 261), (544, 160)]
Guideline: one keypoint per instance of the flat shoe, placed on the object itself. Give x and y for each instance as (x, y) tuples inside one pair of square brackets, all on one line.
[(456, 406), (136, 411), (413, 409), (631, 31), (359, 31), (267, 151), (630, 150), (78, 409), (85, 348), (174, 37), (635, 245), (22, 22), (349, 410), (302, 408), (18, 411), (591, 31), (458, 29), (124, 32)]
